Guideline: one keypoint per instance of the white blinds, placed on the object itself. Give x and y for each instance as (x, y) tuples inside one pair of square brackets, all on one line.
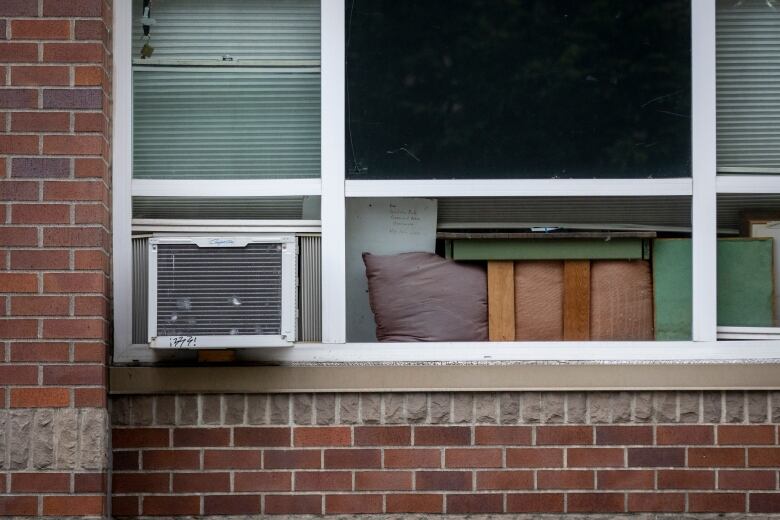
[(748, 87)]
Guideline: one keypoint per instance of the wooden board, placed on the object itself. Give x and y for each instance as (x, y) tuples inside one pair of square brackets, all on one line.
[(501, 300), (576, 300), (216, 356)]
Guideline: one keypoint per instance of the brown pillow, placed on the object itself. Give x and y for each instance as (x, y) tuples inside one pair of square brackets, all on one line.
[(424, 297)]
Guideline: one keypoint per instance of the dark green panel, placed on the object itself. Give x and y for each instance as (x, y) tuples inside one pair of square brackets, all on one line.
[(672, 286), (548, 249)]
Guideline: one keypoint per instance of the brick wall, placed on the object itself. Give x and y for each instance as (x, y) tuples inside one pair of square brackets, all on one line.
[(459, 453), (54, 255)]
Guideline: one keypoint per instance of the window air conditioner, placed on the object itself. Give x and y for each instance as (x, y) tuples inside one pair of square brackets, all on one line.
[(222, 291)]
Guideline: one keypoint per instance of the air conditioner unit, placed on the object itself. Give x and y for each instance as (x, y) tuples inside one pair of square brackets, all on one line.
[(222, 291)]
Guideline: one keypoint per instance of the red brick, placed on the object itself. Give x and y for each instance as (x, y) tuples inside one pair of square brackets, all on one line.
[(383, 436), (89, 352), (656, 502), (40, 482), (716, 457), (39, 122), (595, 503), (125, 506), (442, 436), (534, 457), (383, 480), (443, 481), (88, 76), (74, 282), (40, 397), (40, 214), (73, 375), (139, 482), (565, 479), (72, 52), (208, 437), (272, 436), (171, 459), (74, 190), (716, 502), (39, 306), (686, 479), (321, 436), (39, 259), (417, 503), (90, 30), (19, 8), (342, 504), (18, 374), (73, 237), (90, 122), (232, 459), (322, 480), (231, 504), (765, 502), (560, 435), (412, 458), (40, 29), (125, 460), (764, 457), (89, 397), (496, 480), (353, 459), (624, 435), (201, 482), (746, 479), (482, 503), (291, 459), (82, 505), (656, 457), (502, 435), (90, 306), (77, 8), (745, 435), (90, 168), (18, 505), (72, 145), (93, 259), (264, 481), (139, 438), (594, 457), (625, 479), (293, 505), (39, 351), (18, 52), (17, 190), (18, 236), (92, 214), (18, 283), (75, 329), (19, 145), (18, 98), (89, 483), (534, 503), (473, 458), (171, 505), (18, 329), (36, 76)]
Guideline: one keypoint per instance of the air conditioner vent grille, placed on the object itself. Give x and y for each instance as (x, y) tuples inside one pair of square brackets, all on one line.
[(222, 291)]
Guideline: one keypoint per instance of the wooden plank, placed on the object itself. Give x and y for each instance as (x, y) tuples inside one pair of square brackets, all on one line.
[(561, 249), (501, 301), (576, 300)]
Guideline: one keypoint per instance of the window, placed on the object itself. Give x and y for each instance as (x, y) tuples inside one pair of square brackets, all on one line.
[(622, 162)]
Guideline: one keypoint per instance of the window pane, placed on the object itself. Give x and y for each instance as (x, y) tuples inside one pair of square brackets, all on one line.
[(518, 88)]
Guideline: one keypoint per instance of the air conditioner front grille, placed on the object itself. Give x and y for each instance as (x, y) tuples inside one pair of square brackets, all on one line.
[(222, 291)]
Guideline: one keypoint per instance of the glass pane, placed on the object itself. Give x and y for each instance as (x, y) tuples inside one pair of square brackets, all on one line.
[(225, 123), (518, 88)]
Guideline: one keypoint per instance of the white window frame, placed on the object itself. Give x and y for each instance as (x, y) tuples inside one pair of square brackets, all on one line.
[(702, 187)]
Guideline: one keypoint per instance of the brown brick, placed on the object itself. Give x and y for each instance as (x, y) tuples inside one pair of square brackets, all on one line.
[(40, 122), (77, 98), (656, 457), (90, 30), (89, 483), (746, 479), (232, 459), (125, 506), (624, 435), (82, 505), (656, 502), (503, 435), (88, 76), (39, 306), (18, 374), (39, 259), (18, 236), (171, 505), (625, 479), (139, 482), (442, 436), (343, 504), (89, 397), (90, 122), (746, 435), (90, 168), (73, 375), (293, 505), (482, 503), (383, 436), (443, 480), (18, 98), (40, 482), (208, 437), (231, 504), (18, 52), (77, 8), (473, 458), (564, 479), (19, 145), (264, 481), (291, 459), (262, 436), (39, 351), (171, 459), (765, 502), (40, 397), (19, 8), (74, 329), (73, 237), (686, 479), (322, 480), (560, 435), (72, 52), (416, 503), (92, 214), (89, 353), (139, 438), (412, 458), (383, 480), (764, 457), (352, 459), (18, 283), (18, 505), (90, 306), (595, 503), (35, 76), (716, 502), (321, 436), (94, 259), (40, 29), (40, 214), (126, 460), (17, 190), (201, 482), (534, 457), (716, 457), (73, 190), (498, 480), (72, 145), (534, 503), (594, 457), (18, 329)]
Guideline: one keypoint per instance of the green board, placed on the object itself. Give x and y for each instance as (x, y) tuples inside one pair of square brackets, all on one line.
[(548, 249), (745, 288)]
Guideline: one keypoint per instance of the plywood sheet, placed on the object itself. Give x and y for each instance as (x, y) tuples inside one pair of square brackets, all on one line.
[(621, 304), (501, 300), (539, 301), (576, 300)]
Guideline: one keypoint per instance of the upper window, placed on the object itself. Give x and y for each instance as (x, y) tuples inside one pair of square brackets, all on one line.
[(518, 89)]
